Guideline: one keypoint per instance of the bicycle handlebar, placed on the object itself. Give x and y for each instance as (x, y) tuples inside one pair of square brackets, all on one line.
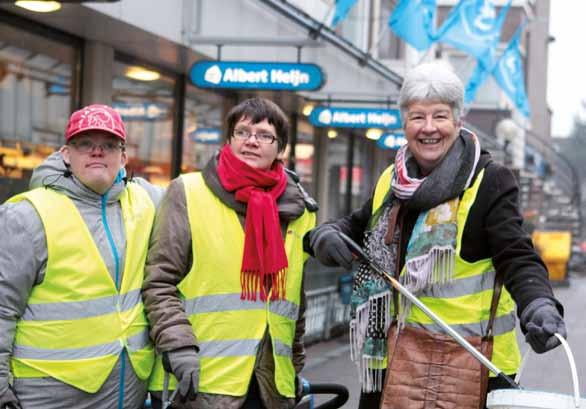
[(337, 401)]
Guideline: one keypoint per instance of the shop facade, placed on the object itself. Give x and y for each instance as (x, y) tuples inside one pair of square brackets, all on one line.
[(53, 64)]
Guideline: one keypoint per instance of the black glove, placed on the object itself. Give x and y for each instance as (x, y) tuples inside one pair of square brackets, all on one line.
[(542, 320), (184, 364), (329, 248), (8, 399)]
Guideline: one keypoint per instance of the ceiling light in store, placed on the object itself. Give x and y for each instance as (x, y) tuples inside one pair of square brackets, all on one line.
[(142, 74), (307, 108), (374, 133), (303, 151), (332, 133), (39, 6)]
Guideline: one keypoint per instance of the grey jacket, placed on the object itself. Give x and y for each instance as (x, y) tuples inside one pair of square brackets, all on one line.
[(169, 260), (23, 260)]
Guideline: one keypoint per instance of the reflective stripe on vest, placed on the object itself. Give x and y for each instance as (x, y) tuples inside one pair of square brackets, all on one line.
[(229, 330), (231, 302), (76, 322), (133, 343), (82, 309), (464, 303)]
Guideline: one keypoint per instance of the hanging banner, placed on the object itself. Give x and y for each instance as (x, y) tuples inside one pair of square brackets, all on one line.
[(256, 75), (391, 140), (338, 117)]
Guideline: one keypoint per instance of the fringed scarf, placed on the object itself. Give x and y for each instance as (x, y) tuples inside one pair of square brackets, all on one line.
[(264, 261), (430, 255)]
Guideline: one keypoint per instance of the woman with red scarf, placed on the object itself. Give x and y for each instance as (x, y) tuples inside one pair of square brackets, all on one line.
[(224, 276)]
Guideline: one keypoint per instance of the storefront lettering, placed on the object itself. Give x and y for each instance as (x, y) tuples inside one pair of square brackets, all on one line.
[(256, 75), (140, 111), (346, 117), (240, 75), (293, 77), (384, 119), (355, 117)]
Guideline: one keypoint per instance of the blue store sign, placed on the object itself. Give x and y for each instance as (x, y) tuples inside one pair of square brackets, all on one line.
[(206, 136), (355, 117), (391, 140), (256, 75), (139, 111)]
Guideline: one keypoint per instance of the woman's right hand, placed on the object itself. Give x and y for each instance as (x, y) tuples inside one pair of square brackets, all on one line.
[(329, 248)]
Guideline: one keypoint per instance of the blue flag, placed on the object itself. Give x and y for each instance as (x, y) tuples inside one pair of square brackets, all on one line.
[(414, 22), (508, 73), (477, 78), (473, 27), (342, 9)]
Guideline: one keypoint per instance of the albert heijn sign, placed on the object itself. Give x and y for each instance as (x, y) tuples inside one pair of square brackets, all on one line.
[(342, 117), (257, 75)]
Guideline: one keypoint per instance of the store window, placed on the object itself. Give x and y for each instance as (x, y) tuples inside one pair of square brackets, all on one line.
[(145, 100), (338, 174), (304, 156), (203, 132), (36, 97), (337, 153)]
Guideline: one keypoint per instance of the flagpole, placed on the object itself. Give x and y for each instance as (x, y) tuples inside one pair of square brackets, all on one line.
[(379, 38), (328, 15), (315, 32), (464, 67), (424, 56), (381, 33)]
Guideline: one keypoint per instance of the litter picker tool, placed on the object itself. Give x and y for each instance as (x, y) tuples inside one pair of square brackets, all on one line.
[(359, 253)]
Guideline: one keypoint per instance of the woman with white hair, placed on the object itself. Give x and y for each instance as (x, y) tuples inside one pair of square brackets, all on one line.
[(444, 220)]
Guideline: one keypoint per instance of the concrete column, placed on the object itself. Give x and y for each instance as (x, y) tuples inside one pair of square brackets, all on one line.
[(98, 73), (321, 168), (537, 53)]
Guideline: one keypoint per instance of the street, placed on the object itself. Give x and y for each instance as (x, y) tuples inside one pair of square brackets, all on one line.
[(329, 362)]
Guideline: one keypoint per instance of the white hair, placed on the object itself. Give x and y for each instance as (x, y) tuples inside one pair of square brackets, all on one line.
[(432, 82)]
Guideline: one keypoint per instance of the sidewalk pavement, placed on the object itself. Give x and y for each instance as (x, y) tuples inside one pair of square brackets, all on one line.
[(329, 362)]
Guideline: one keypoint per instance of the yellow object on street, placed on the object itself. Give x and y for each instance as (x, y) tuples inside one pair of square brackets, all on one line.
[(555, 248)]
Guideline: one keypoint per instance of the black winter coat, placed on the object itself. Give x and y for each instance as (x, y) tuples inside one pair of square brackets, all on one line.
[(493, 230)]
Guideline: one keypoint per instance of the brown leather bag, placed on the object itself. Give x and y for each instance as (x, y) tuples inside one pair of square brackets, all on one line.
[(432, 371)]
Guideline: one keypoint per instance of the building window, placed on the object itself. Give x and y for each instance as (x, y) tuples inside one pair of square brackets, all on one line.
[(36, 83), (203, 133), (147, 108)]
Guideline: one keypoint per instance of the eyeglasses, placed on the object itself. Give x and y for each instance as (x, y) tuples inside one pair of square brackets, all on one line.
[(87, 146), (262, 137)]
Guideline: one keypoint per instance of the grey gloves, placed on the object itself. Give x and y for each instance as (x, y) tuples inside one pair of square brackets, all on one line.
[(328, 247), (8, 400), (542, 319), (184, 364)]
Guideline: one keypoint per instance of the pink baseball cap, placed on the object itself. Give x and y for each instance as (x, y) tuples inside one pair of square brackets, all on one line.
[(95, 117)]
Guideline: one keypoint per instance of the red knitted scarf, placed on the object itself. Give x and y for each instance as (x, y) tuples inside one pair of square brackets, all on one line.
[(264, 262)]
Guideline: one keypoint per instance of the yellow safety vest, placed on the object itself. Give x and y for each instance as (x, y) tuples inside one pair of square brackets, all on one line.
[(76, 322), (464, 304), (228, 329)]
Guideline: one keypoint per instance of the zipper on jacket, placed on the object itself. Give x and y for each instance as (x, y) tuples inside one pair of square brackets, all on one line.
[(122, 373), (111, 240), (117, 276)]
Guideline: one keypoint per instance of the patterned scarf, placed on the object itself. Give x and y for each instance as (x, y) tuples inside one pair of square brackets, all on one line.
[(430, 253), (264, 261)]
